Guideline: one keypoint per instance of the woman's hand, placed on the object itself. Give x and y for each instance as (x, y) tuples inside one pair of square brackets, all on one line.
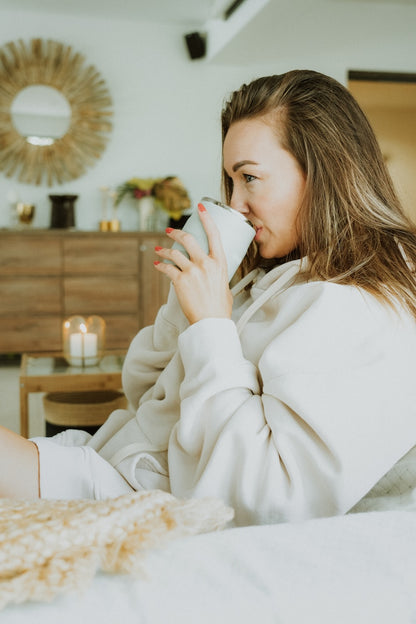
[(200, 282)]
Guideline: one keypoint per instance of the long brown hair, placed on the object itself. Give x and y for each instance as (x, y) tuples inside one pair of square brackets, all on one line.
[(351, 225)]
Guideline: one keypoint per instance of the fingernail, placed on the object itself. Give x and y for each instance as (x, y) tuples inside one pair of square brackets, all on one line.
[(201, 208), (169, 230), (158, 248), (156, 262)]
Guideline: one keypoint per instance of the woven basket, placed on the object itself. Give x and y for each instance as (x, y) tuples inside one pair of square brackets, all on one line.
[(82, 409)]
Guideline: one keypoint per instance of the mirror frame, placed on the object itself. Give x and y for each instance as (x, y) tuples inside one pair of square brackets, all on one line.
[(53, 64)]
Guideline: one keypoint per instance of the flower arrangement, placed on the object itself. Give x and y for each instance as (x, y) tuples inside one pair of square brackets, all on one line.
[(169, 193)]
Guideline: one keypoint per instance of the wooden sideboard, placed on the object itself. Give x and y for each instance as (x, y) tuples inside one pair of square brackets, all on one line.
[(48, 275)]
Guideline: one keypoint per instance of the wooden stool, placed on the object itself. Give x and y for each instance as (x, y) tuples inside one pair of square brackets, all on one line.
[(80, 410)]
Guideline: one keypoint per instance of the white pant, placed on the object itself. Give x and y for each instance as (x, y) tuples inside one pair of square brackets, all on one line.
[(76, 471)]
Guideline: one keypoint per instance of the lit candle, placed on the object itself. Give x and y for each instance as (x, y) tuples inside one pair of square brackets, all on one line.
[(83, 346), (76, 342), (90, 348)]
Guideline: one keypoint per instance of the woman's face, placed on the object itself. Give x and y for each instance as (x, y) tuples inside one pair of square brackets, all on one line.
[(268, 184)]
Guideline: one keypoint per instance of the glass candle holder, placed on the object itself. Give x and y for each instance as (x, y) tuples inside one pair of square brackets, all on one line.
[(83, 340)]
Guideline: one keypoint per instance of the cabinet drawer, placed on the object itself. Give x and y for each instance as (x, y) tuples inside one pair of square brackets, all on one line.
[(35, 295), (120, 330), (105, 256), (30, 334), (154, 285), (21, 255), (100, 295)]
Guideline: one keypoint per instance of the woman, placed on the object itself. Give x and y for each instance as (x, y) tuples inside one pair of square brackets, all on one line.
[(290, 396)]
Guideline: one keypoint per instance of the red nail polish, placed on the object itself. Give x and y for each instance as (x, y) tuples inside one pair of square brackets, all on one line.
[(201, 208), (156, 262), (158, 248), (169, 230)]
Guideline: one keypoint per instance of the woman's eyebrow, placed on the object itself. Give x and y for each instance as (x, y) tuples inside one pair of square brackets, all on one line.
[(242, 163)]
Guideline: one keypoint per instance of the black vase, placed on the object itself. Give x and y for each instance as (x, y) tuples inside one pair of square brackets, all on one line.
[(63, 211)]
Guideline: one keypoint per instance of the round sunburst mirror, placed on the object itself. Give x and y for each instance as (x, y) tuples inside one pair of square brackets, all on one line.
[(54, 112)]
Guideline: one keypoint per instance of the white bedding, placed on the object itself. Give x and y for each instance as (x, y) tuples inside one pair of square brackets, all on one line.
[(355, 569)]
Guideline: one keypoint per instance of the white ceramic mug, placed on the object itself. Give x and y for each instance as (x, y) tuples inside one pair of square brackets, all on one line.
[(235, 230)]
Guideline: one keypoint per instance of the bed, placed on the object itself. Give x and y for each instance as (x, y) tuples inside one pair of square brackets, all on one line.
[(357, 568)]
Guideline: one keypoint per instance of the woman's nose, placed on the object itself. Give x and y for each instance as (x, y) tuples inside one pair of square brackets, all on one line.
[(237, 203)]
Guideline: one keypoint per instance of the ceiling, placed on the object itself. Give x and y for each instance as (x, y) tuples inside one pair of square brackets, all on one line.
[(271, 28), (186, 12)]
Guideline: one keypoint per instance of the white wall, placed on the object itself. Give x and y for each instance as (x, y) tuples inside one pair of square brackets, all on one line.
[(166, 107), (166, 110)]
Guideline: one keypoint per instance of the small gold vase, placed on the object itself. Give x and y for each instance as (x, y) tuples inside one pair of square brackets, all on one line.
[(25, 213), (113, 225)]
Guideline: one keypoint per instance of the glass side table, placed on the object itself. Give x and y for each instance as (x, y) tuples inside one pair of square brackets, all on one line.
[(42, 372)]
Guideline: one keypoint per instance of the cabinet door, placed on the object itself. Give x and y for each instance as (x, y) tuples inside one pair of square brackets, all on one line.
[(30, 333), (30, 293), (120, 330), (108, 255), (101, 294), (24, 255), (101, 277), (154, 286), (30, 296)]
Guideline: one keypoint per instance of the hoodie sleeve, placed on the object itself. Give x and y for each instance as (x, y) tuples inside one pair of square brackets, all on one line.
[(125, 436), (306, 424), (152, 349)]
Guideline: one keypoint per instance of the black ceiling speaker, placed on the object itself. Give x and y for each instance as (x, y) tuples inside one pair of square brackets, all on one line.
[(196, 44)]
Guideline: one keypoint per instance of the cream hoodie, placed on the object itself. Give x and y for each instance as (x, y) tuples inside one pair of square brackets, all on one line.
[(293, 409)]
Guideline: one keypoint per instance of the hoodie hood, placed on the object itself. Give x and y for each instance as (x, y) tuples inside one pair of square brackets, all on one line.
[(267, 285)]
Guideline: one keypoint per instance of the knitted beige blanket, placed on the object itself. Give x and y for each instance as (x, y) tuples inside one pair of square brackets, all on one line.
[(50, 547)]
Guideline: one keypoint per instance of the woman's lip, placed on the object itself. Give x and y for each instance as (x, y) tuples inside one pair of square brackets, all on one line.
[(258, 230)]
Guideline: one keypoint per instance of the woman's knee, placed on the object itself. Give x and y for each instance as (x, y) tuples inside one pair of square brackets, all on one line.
[(19, 467)]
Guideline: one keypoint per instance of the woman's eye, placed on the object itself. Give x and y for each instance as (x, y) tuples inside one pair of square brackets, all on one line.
[(248, 177)]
